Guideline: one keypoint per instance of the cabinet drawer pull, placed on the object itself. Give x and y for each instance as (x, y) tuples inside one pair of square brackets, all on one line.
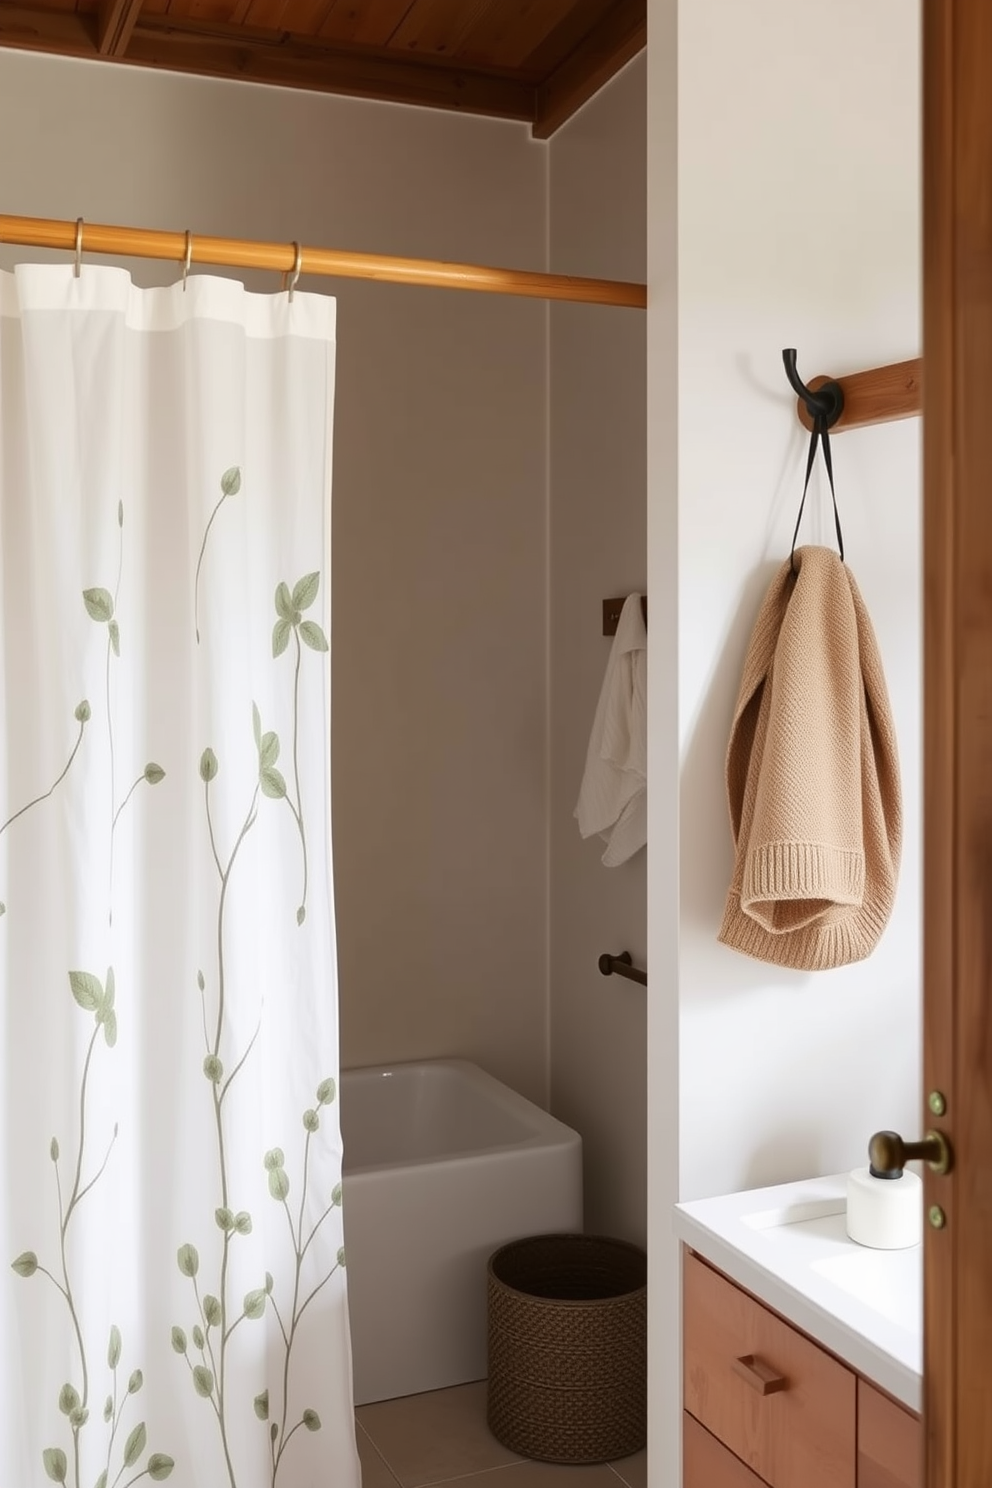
[(759, 1376)]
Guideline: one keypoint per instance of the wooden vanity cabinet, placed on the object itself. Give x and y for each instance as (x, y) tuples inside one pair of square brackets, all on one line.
[(708, 1464), (890, 1442), (766, 1407)]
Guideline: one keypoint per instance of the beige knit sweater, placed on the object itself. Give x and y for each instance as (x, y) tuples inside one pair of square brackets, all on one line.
[(812, 777)]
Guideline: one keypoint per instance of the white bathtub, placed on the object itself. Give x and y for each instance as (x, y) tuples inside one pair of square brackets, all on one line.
[(442, 1164)]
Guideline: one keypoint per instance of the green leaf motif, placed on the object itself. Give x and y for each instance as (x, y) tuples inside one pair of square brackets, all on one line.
[(179, 1340), (230, 481), (269, 1283), (305, 592), (26, 1263), (189, 1260), (135, 1444), (200, 981), (114, 632), (311, 1121), (53, 1151), (312, 635), (268, 750), (261, 1405), (326, 1091), (68, 1399), (279, 1183), (281, 632), (78, 1417), (211, 1310), (341, 1256), (110, 1028), (203, 1381), (55, 1462), (99, 604), (108, 1408), (213, 1069), (337, 1194), (101, 1481), (225, 1220), (285, 608), (256, 725), (272, 783), (311, 1420), (154, 773), (242, 1222), (208, 766), (198, 1339), (159, 1467), (110, 991), (273, 1431), (255, 1304), (83, 712), (87, 990), (120, 514), (3, 908), (114, 1347), (135, 1383), (274, 1158), (301, 914)]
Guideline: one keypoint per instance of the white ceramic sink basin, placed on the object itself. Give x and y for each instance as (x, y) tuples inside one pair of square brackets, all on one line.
[(789, 1246), (889, 1281)]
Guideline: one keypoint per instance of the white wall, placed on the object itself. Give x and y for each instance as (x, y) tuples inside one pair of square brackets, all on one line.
[(798, 225), (598, 549), (785, 1074), (440, 541)]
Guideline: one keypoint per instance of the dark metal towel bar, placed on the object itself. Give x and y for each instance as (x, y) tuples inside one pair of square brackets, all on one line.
[(622, 965)]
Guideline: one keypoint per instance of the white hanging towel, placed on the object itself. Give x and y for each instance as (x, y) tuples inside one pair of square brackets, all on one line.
[(613, 799)]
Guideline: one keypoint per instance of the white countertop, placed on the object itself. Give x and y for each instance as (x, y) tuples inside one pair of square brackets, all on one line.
[(789, 1246)]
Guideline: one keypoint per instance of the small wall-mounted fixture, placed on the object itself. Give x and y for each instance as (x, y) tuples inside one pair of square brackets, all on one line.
[(622, 965), (611, 613)]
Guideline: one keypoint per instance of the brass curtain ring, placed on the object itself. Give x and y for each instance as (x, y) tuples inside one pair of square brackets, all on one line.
[(289, 279), (187, 258), (77, 269)]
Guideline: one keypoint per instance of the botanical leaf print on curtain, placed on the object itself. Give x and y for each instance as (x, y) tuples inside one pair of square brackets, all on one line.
[(175, 1305)]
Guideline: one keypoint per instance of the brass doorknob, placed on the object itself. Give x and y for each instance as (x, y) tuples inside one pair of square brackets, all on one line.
[(888, 1154)]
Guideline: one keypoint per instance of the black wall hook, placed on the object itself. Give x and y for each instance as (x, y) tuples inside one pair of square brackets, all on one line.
[(826, 404)]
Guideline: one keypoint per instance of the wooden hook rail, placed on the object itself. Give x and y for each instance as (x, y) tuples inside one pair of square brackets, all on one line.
[(877, 396), (238, 253)]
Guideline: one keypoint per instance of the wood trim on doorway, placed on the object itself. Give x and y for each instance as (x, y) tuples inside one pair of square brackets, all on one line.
[(939, 661), (957, 160)]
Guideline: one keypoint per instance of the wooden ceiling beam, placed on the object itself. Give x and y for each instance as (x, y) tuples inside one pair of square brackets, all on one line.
[(297, 62), (115, 23), (66, 33), (215, 50), (618, 37)]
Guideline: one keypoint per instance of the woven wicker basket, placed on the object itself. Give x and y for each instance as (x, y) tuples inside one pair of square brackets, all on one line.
[(568, 1348)]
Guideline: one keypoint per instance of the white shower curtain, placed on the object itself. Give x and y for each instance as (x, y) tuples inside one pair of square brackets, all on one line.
[(170, 1210)]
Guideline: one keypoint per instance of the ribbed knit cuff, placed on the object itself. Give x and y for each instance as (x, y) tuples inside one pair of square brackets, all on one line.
[(819, 947), (787, 885)]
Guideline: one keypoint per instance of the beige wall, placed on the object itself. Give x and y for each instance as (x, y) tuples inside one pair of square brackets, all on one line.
[(440, 541), (598, 483), (798, 220)]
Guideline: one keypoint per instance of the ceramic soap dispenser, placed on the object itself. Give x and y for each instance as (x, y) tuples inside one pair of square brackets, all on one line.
[(884, 1201)]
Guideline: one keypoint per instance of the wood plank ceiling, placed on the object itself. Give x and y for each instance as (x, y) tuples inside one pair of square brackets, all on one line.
[(534, 60)]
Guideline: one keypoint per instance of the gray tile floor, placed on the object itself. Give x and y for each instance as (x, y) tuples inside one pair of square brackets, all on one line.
[(442, 1437)]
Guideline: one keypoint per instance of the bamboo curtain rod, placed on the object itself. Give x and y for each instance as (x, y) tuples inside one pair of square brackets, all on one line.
[(239, 253)]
